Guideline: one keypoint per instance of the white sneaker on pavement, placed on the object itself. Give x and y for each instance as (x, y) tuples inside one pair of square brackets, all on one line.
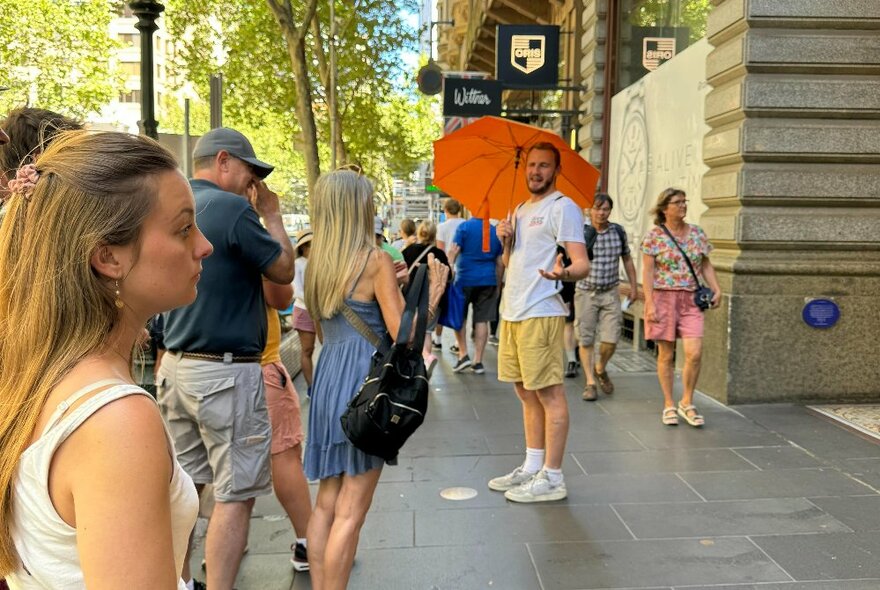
[(537, 489), (513, 479)]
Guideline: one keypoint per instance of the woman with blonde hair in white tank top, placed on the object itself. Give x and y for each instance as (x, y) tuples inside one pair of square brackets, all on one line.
[(98, 236)]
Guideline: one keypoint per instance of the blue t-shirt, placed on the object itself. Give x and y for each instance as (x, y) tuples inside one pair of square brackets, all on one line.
[(473, 267), (229, 313)]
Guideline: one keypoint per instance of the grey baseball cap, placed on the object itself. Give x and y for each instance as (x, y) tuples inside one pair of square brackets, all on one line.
[(234, 142)]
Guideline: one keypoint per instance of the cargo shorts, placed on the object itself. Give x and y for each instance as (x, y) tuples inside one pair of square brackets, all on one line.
[(217, 416)]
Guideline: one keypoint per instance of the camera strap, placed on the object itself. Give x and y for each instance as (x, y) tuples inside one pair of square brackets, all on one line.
[(683, 253)]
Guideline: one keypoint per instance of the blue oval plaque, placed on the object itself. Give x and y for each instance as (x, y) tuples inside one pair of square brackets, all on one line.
[(821, 313)]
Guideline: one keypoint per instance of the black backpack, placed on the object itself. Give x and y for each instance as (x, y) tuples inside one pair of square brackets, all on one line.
[(393, 400)]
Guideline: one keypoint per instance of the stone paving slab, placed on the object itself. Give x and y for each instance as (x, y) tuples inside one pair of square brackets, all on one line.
[(782, 483), (763, 516), (642, 564), (838, 556), (836, 585), (506, 566)]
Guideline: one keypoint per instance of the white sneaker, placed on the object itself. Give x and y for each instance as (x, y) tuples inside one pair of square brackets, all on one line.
[(537, 489), (513, 479)]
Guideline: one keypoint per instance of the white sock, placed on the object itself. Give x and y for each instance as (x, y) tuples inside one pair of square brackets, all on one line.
[(554, 475), (302, 541), (534, 460), (571, 356), (190, 585)]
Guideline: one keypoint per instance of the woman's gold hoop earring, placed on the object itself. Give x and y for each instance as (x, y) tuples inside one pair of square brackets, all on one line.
[(117, 301)]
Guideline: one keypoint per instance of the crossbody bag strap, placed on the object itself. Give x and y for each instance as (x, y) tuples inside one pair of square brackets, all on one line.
[(419, 259), (360, 325), (683, 253)]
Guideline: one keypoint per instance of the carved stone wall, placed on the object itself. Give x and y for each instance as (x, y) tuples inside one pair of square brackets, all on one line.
[(793, 193)]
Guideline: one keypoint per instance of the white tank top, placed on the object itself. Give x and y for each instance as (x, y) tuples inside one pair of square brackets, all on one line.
[(46, 544)]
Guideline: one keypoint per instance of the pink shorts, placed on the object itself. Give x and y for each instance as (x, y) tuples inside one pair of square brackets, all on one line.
[(302, 321), (677, 316), (283, 405)]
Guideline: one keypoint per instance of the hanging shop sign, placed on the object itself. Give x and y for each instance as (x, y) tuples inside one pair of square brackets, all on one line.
[(471, 98), (527, 56)]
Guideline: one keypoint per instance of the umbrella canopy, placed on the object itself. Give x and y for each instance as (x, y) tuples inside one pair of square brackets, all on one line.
[(483, 166)]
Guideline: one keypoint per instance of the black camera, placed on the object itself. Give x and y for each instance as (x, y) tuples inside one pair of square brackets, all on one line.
[(703, 298)]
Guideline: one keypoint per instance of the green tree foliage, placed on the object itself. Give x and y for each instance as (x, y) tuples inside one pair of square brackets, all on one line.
[(382, 123), (672, 13), (56, 55)]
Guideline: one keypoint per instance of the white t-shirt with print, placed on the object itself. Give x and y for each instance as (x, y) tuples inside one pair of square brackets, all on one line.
[(446, 231), (539, 228)]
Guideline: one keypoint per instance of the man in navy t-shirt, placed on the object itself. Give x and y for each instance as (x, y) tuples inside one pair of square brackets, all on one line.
[(478, 274), (210, 382)]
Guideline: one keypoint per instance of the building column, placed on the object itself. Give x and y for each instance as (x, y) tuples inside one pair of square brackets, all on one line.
[(793, 193), (594, 52)]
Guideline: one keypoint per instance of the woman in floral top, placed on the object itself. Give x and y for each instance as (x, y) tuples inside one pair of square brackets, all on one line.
[(670, 311)]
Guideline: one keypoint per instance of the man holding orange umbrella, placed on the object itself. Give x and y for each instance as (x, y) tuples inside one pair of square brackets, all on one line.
[(530, 352)]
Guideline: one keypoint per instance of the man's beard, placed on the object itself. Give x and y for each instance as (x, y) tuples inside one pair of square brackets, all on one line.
[(542, 188)]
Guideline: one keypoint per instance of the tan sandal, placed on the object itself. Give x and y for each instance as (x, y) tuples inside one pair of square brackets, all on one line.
[(669, 417), (695, 419), (604, 381)]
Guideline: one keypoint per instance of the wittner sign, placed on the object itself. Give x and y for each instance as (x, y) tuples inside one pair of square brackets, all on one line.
[(471, 98), (527, 56)]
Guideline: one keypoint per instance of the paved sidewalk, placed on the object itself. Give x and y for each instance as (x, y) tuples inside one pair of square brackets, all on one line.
[(762, 498)]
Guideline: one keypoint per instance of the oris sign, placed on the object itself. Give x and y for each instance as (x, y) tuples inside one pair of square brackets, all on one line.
[(527, 56)]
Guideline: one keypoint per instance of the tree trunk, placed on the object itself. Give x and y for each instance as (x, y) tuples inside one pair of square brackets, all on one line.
[(324, 74), (296, 49)]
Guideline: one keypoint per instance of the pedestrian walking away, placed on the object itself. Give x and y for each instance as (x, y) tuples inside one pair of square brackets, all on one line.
[(478, 273), (116, 509), (598, 313), (670, 309), (415, 254), (302, 321), (282, 402), (445, 234), (407, 235), (210, 381), (342, 216), (530, 352)]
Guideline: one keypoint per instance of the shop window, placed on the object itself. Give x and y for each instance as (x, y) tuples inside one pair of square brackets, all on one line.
[(131, 68), (129, 39), (130, 96), (651, 32)]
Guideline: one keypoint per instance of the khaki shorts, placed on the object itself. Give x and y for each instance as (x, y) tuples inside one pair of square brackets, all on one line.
[(217, 416), (597, 316), (283, 404), (531, 352)]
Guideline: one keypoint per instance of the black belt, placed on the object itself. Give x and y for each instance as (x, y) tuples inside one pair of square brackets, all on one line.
[(224, 357)]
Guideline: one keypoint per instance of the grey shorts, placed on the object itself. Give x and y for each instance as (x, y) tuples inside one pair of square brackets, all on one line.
[(597, 316), (484, 301), (217, 416)]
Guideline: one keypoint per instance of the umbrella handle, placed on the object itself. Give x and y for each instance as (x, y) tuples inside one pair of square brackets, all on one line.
[(516, 160)]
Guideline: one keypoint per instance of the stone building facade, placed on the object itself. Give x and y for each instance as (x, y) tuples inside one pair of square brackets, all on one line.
[(792, 191)]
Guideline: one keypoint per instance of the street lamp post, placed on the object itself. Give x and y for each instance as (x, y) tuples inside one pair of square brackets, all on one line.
[(147, 12)]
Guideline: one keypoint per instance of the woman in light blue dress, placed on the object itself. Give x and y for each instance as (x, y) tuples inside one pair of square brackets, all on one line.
[(345, 268)]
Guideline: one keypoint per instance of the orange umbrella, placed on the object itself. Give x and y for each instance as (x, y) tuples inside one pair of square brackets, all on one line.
[(483, 166)]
